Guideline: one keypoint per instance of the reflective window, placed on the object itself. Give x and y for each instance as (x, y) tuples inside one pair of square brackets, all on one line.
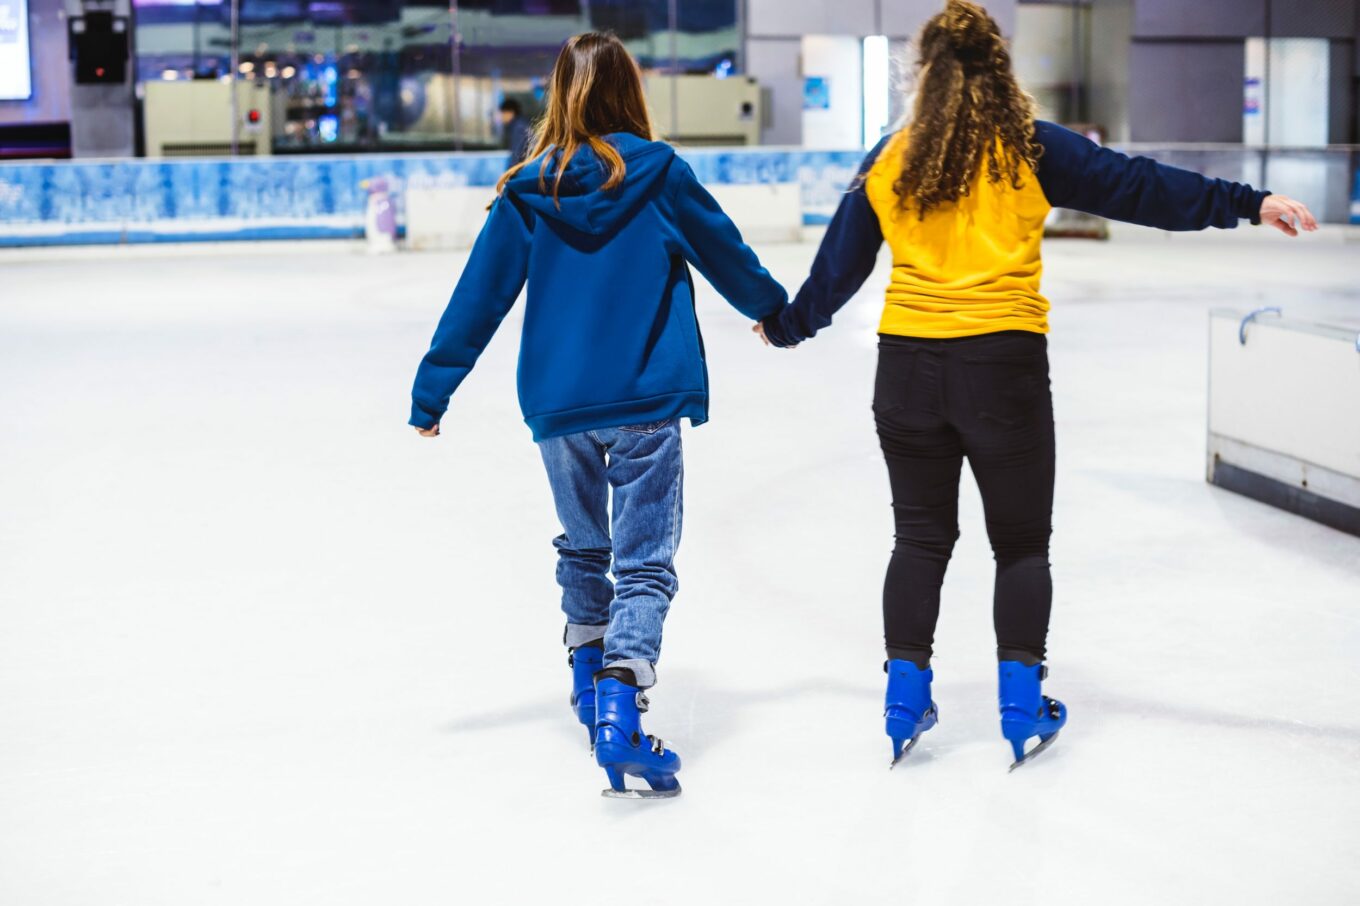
[(332, 75)]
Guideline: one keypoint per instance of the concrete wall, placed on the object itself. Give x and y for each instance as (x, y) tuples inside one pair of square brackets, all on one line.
[(1313, 18), (1043, 56), (1108, 73), (1186, 63), (795, 18), (1199, 19), (1342, 126), (776, 63), (1186, 91), (775, 30)]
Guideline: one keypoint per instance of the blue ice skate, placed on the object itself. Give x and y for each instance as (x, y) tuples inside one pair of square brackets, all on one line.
[(620, 746), (585, 661), (907, 709), (1026, 713)]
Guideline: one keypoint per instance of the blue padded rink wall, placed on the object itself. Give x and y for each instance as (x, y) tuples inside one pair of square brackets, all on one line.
[(140, 201), (320, 197)]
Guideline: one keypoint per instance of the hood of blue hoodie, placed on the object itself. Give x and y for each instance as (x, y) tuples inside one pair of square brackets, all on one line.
[(581, 203)]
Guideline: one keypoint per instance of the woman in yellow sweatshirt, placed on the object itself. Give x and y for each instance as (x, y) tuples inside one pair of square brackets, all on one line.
[(961, 195)]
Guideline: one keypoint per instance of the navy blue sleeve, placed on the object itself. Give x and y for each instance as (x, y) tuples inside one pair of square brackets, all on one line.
[(713, 244), (489, 286), (844, 261), (1076, 173)]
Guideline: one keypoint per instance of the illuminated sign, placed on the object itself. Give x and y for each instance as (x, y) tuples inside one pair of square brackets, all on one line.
[(16, 80)]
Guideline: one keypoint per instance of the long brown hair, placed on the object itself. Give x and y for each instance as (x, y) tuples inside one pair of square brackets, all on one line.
[(967, 104), (595, 89)]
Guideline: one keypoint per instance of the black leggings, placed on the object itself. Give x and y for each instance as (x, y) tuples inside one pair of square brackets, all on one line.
[(985, 398)]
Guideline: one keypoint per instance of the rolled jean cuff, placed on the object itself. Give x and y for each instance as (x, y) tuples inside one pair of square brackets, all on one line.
[(578, 634), (643, 671)]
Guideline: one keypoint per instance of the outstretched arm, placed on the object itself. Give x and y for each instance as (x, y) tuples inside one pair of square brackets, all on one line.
[(1076, 173), (713, 244), (844, 261), (490, 283)]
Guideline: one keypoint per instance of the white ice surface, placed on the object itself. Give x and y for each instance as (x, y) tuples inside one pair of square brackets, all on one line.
[(260, 644)]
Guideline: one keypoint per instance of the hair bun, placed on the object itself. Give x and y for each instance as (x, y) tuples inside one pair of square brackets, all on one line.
[(972, 33)]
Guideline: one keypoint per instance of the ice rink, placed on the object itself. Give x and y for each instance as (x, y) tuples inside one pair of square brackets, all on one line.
[(261, 644)]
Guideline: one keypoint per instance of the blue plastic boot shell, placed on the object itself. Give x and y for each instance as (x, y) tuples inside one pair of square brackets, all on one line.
[(1025, 711), (907, 707), (621, 748)]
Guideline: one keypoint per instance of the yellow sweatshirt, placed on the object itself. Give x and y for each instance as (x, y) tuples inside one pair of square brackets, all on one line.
[(973, 267), (967, 268)]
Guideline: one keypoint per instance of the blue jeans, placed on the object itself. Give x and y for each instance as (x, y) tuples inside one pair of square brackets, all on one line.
[(645, 467)]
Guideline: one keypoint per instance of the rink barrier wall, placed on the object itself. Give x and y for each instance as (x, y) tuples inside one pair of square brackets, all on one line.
[(1284, 413), (320, 197)]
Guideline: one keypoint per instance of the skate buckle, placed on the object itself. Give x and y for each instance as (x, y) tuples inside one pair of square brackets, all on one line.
[(642, 703), (658, 744)]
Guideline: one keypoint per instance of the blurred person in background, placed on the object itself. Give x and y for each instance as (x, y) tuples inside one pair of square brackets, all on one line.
[(961, 194), (515, 131)]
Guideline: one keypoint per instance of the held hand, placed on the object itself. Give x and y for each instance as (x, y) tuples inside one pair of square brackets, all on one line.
[(429, 432), (759, 330), (1287, 215)]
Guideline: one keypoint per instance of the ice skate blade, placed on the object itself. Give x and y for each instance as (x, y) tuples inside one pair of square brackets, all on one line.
[(905, 750), (640, 794), (1035, 751)]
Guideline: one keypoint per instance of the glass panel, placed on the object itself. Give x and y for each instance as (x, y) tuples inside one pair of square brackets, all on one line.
[(383, 74)]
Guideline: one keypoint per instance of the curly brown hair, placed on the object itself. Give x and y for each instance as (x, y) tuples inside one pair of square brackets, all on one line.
[(967, 104)]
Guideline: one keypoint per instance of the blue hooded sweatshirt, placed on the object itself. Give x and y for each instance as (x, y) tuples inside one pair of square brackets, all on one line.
[(610, 333)]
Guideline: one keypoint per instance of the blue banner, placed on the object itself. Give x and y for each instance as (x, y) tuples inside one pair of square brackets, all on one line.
[(308, 197)]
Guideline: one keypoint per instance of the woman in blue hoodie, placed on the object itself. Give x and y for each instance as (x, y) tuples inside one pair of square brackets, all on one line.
[(602, 222)]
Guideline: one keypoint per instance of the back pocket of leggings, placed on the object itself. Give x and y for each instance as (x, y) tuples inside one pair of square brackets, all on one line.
[(894, 382), (1007, 389)]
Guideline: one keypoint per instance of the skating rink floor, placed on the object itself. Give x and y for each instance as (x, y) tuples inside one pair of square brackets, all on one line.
[(260, 644)]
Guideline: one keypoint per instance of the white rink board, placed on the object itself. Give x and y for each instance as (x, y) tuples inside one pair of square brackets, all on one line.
[(445, 218), (771, 212), (451, 217), (1292, 389)]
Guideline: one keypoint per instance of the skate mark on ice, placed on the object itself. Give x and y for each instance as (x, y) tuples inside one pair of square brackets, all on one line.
[(1158, 710), (546, 711)]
